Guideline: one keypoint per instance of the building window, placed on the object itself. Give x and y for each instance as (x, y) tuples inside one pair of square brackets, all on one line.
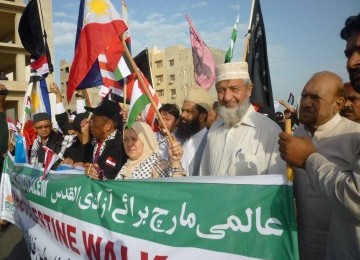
[(159, 63), (172, 78), (159, 79), (160, 92), (67, 69), (173, 93), (172, 62)]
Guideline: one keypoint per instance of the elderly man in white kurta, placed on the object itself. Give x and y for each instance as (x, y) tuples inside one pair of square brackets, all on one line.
[(242, 141)]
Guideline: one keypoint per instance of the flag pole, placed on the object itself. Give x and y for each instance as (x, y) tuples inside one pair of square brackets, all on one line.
[(289, 170), (124, 103), (247, 39), (143, 85)]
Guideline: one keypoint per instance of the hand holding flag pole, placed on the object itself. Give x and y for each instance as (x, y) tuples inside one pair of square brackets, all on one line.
[(143, 85), (289, 170)]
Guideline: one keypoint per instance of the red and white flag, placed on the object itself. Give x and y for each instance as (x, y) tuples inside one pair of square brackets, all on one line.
[(41, 65), (204, 64), (50, 158), (101, 26), (11, 125)]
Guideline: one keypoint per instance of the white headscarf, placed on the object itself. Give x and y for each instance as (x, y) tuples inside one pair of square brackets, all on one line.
[(147, 137)]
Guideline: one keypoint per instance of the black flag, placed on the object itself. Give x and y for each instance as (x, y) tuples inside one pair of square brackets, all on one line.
[(257, 60), (32, 37), (142, 62)]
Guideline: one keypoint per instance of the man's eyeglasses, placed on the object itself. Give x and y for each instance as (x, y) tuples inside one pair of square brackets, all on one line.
[(42, 126)]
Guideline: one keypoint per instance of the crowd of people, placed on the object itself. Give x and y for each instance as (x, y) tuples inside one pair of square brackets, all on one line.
[(228, 137)]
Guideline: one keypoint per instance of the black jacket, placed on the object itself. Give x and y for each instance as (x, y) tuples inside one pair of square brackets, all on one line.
[(112, 158), (54, 143), (76, 151)]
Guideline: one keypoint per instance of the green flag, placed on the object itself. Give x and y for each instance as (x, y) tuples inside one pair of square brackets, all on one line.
[(229, 53)]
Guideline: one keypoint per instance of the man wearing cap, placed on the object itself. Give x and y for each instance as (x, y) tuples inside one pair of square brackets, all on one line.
[(192, 128), (45, 136), (108, 155), (242, 141)]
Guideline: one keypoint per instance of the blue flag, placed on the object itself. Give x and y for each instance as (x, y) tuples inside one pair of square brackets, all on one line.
[(21, 155)]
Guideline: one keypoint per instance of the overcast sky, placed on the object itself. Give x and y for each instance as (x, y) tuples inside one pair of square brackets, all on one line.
[(302, 36)]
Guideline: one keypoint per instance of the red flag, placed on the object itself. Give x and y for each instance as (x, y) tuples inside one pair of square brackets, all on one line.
[(50, 158), (204, 64), (97, 33), (41, 65)]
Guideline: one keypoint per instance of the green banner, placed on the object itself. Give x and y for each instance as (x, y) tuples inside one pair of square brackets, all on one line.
[(240, 216)]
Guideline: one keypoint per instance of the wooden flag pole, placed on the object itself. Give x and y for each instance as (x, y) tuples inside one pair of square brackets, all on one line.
[(289, 170), (145, 88)]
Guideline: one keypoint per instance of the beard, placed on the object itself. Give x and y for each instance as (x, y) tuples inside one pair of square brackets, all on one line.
[(186, 129), (232, 116), (354, 75)]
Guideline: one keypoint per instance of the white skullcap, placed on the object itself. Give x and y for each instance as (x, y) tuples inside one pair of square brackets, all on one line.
[(233, 70), (199, 96)]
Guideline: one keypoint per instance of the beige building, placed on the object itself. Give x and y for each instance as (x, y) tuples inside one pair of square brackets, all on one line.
[(14, 59)]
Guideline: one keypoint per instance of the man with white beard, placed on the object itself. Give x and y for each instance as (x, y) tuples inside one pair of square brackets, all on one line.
[(242, 141)]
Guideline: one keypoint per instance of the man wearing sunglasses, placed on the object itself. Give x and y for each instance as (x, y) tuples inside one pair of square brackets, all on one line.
[(45, 136)]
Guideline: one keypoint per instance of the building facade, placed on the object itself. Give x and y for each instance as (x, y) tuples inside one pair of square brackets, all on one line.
[(14, 59)]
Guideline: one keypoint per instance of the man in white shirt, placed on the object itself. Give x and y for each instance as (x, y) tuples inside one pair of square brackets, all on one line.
[(192, 128), (242, 141), (337, 139)]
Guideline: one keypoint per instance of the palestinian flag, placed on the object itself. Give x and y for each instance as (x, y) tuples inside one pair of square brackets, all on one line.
[(140, 103)]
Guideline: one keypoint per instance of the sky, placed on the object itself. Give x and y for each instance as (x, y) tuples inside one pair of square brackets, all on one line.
[(302, 36)]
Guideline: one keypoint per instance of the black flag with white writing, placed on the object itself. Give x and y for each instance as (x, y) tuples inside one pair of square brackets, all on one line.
[(257, 60)]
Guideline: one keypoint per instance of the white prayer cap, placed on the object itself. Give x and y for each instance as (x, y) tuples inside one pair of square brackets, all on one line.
[(199, 96), (232, 70)]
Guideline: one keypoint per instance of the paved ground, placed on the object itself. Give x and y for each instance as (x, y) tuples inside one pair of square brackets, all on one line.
[(12, 244)]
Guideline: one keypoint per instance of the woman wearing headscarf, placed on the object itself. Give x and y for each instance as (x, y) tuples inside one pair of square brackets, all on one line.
[(144, 159)]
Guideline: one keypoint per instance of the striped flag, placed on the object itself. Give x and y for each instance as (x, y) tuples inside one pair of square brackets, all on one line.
[(41, 65), (291, 99), (39, 97), (118, 63), (28, 107), (140, 103), (114, 66), (230, 51), (11, 125), (50, 159)]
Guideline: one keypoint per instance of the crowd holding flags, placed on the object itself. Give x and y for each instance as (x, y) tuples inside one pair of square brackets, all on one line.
[(102, 58), (99, 49)]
